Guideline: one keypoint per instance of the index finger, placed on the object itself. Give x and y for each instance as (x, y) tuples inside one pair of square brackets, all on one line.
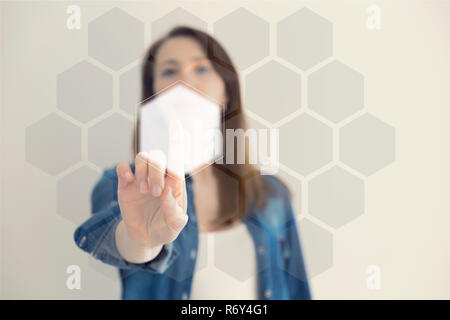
[(175, 157)]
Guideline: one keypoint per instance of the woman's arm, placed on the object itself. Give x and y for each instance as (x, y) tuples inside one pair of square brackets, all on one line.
[(97, 235)]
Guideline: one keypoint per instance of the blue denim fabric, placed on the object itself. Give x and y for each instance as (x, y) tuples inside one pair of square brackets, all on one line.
[(281, 269)]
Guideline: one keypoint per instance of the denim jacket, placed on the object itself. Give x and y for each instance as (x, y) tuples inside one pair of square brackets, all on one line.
[(280, 265)]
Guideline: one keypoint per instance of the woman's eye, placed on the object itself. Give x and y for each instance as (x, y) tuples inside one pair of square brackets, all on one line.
[(168, 72), (202, 69)]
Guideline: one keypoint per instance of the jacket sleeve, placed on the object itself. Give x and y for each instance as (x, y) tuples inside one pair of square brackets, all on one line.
[(96, 235), (294, 264)]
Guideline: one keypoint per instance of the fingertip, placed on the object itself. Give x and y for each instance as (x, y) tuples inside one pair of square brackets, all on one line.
[(142, 156)]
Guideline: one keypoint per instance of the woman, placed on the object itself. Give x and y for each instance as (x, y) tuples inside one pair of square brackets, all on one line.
[(151, 224)]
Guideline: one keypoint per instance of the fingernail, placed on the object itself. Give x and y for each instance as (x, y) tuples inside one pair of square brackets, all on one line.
[(156, 191), (143, 187)]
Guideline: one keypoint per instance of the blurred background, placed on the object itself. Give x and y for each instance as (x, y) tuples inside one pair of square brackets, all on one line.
[(362, 107)]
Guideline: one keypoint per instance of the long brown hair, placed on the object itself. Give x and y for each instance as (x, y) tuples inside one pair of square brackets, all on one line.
[(235, 202)]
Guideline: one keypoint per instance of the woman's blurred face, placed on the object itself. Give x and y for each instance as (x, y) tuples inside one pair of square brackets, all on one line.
[(182, 58)]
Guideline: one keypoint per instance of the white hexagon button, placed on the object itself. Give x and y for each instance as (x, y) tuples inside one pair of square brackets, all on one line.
[(367, 144), (116, 38), (336, 197), (181, 129), (304, 38)]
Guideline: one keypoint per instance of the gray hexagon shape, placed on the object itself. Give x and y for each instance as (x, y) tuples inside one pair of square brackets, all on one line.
[(130, 90), (304, 38), (176, 18), (116, 38), (273, 91), (245, 36), (225, 258), (74, 194), (84, 91), (367, 144), (336, 197), (317, 248), (110, 141), (53, 144), (306, 144), (336, 91)]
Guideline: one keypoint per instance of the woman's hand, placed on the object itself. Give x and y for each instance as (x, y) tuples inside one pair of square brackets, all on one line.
[(153, 201)]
